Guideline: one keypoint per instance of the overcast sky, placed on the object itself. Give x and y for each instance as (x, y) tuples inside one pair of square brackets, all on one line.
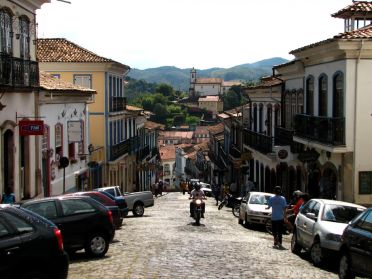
[(191, 33)]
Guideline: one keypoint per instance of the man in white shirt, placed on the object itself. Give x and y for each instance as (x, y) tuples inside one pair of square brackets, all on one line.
[(197, 193)]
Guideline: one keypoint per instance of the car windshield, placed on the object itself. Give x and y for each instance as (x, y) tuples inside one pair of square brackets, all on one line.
[(339, 213), (259, 199)]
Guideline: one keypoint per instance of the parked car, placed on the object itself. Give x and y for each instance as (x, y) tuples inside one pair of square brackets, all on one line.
[(356, 247), (319, 226), (136, 201), (30, 246), (253, 208), (84, 222), (106, 201), (119, 201)]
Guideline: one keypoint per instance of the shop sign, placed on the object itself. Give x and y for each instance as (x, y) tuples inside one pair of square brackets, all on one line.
[(31, 127)]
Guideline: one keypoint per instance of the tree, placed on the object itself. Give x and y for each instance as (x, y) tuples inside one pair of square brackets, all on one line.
[(159, 99), (165, 89), (160, 111), (232, 98), (192, 120)]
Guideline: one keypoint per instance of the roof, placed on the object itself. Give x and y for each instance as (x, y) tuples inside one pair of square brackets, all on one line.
[(167, 152), (209, 99), (223, 115), (203, 146), (216, 129), (62, 50), (209, 80), (191, 156), (133, 108), (231, 83), (201, 130), (362, 33), (150, 125), (176, 134), (358, 9), (266, 82), (48, 82)]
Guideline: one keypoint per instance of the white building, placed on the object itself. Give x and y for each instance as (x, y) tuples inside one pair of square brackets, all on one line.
[(63, 106)]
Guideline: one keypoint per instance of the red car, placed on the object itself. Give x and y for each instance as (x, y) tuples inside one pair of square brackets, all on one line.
[(106, 201)]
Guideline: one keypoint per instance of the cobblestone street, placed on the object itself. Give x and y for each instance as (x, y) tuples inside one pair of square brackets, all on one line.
[(165, 243)]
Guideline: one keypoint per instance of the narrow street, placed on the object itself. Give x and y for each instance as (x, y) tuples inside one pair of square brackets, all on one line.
[(165, 243)]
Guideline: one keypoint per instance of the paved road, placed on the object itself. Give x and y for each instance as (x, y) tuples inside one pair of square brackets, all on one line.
[(165, 243)]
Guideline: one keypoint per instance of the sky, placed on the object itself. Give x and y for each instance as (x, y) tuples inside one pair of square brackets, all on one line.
[(191, 33)]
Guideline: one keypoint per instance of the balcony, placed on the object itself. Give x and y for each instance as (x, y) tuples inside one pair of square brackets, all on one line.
[(17, 72), (134, 144), (284, 136), (154, 152), (325, 130), (258, 141), (223, 156), (120, 149), (143, 153), (117, 104), (234, 152)]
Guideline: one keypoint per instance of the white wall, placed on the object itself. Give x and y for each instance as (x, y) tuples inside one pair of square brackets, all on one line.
[(207, 89)]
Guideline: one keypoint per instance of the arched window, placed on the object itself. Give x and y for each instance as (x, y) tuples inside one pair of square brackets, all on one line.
[(310, 95), (268, 121), (255, 118), (300, 101), (338, 95), (323, 95), (277, 115), (24, 38), (287, 106), (6, 32), (260, 119)]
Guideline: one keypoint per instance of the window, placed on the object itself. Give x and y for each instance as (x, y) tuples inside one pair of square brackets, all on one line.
[(366, 222), (58, 130), (338, 95), (71, 150), (4, 232), (365, 182), (6, 32), (76, 206), (19, 224), (310, 96), (81, 144), (83, 80), (24, 37), (46, 209), (323, 95), (307, 207)]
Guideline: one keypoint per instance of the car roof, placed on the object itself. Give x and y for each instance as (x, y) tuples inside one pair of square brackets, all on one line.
[(261, 193), (62, 197), (336, 202)]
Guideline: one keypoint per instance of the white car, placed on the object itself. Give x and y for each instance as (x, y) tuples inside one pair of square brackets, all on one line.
[(253, 208), (206, 188), (319, 226)]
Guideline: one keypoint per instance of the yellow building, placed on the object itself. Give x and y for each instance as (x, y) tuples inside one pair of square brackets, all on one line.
[(113, 128), (211, 103)]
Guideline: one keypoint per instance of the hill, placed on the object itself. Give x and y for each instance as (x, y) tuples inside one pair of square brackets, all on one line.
[(179, 78)]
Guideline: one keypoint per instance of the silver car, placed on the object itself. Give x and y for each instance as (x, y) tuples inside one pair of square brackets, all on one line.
[(253, 208), (319, 226)]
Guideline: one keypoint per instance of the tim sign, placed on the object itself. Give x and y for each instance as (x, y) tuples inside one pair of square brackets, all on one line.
[(31, 127)]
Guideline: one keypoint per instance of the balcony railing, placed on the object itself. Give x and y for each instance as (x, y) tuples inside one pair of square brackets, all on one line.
[(143, 153), (223, 155), (257, 141), (18, 72), (120, 149), (154, 152), (284, 136), (117, 104), (235, 152), (326, 130), (134, 144)]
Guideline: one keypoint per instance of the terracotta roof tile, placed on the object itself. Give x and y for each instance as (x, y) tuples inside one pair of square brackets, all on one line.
[(167, 152), (216, 129), (266, 82), (231, 83), (359, 9), (48, 82), (150, 125), (133, 108), (62, 50), (209, 80), (209, 99), (176, 134), (362, 33)]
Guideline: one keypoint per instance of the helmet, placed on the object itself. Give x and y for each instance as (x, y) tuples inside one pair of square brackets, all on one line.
[(197, 186), (297, 193)]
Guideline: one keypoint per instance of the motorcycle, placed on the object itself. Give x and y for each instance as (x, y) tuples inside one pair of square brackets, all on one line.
[(230, 200), (197, 211)]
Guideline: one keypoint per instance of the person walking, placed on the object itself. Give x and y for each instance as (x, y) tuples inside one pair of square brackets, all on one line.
[(278, 205), (8, 196), (216, 190)]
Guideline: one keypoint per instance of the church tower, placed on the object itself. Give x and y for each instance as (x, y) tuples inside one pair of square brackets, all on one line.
[(356, 15), (192, 82)]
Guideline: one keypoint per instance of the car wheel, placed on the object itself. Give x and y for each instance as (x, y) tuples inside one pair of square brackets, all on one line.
[(138, 210), (97, 245), (344, 271), (295, 247), (316, 253)]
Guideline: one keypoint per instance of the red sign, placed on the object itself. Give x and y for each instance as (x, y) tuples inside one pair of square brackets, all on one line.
[(31, 127)]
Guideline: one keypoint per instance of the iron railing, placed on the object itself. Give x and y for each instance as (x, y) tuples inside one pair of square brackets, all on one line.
[(258, 141), (326, 130), (284, 136), (117, 104)]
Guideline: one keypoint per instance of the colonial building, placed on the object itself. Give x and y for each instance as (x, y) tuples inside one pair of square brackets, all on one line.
[(175, 137), (212, 104), (114, 132), (168, 160), (63, 107), (201, 134), (19, 80)]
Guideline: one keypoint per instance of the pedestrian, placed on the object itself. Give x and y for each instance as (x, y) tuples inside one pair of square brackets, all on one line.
[(8, 196), (160, 188), (183, 186), (156, 189), (278, 205), (216, 190)]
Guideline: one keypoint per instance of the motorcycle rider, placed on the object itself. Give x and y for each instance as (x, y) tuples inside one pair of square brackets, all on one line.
[(292, 212), (197, 193)]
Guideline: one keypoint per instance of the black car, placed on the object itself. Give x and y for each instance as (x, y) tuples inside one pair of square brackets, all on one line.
[(119, 201), (30, 246), (356, 249), (84, 222)]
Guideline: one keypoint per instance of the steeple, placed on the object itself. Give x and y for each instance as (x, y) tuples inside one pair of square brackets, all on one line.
[(192, 82), (356, 16)]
